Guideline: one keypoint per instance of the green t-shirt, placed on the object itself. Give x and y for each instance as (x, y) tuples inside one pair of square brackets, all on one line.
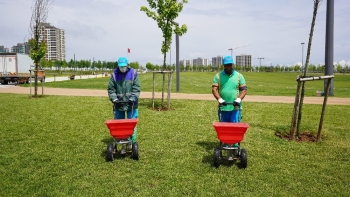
[(229, 87)]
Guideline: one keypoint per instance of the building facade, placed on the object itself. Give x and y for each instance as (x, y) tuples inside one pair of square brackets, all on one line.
[(244, 60), (55, 39), (200, 62), (216, 61), (21, 48), (185, 63), (3, 49)]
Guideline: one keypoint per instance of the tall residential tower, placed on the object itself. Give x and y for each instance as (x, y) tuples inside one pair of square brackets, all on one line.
[(55, 40)]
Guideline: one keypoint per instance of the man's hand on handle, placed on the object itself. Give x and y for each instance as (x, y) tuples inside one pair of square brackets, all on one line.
[(222, 102), (237, 102), (131, 101)]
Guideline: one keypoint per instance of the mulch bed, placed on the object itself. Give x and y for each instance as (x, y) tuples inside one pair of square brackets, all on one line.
[(303, 137)]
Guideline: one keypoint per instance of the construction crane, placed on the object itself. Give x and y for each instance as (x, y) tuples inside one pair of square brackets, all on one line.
[(231, 49)]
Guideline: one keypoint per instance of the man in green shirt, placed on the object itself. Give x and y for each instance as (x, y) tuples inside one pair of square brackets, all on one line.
[(229, 86)]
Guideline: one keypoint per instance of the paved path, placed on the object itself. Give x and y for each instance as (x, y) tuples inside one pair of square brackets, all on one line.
[(248, 98)]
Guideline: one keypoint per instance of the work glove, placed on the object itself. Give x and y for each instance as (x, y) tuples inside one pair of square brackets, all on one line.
[(222, 102), (131, 101), (237, 102)]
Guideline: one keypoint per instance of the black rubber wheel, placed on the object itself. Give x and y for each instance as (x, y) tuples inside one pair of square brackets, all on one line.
[(244, 158), (109, 152), (217, 157), (135, 151)]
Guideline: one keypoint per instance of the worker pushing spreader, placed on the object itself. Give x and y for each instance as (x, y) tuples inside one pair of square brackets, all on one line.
[(229, 89), (123, 91)]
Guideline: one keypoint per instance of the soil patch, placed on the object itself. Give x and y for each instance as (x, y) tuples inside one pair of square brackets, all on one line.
[(160, 108), (303, 137)]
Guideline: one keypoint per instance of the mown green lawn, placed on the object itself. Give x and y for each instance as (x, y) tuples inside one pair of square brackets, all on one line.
[(55, 146), (262, 83)]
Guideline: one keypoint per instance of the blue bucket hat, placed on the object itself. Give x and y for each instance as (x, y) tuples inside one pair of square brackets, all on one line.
[(227, 60), (122, 61)]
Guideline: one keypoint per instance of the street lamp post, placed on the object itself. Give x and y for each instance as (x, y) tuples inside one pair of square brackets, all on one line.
[(177, 60), (302, 56), (231, 51), (260, 62)]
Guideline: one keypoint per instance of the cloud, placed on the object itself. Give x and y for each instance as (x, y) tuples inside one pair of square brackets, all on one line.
[(104, 29)]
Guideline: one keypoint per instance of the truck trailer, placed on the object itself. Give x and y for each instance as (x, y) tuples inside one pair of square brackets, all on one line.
[(14, 67)]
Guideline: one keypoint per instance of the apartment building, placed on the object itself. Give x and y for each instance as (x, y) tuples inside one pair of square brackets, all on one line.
[(55, 40), (244, 60), (197, 62), (186, 63), (21, 48), (216, 61), (3, 49)]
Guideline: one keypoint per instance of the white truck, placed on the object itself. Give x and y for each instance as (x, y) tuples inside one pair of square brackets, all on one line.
[(14, 67)]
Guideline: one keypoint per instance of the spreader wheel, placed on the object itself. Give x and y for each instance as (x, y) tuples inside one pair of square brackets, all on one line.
[(109, 152), (244, 158), (217, 157), (135, 151)]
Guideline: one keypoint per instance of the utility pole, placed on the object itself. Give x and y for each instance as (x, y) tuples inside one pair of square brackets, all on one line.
[(302, 56), (74, 61)]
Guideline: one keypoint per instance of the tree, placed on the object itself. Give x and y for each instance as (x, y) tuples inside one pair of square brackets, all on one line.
[(156, 67), (135, 65), (296, 68), (312, 68), (149, 66), (299, 115), (165, 13), (338, 67), (38, 46)]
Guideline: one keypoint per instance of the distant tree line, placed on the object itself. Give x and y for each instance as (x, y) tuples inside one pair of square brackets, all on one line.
[(83, 65), (107, 65), (279, 68)]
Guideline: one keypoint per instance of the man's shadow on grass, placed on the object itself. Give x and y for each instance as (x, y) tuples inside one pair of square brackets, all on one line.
[(209, 157)]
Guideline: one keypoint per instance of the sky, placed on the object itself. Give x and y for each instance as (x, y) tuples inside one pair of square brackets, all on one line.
[(105, 29)]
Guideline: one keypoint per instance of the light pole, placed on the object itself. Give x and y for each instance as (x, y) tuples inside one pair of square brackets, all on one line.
[(302, 56), (177, 60), (170, 50), (231, 51), (260, 62), (329, 46)]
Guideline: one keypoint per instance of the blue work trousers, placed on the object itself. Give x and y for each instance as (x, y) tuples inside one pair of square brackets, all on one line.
[(129, 114), (230, 116)]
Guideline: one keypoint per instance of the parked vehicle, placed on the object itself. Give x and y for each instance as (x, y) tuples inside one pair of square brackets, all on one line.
[(14, 67)]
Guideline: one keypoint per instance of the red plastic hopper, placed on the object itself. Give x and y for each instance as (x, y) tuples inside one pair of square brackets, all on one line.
[(230, 133), (121, 128)]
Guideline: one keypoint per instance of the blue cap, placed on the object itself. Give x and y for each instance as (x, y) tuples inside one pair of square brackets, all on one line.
[(122, 61), (227, 60)]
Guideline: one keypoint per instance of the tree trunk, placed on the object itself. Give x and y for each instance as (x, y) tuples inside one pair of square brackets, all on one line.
[(36, 80), (316, 4)]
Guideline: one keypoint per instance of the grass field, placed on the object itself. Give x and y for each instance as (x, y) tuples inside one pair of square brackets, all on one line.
[(55, 146), (266, 84)]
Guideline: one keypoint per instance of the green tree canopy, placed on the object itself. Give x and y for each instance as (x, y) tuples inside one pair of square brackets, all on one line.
[(164, 12)]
